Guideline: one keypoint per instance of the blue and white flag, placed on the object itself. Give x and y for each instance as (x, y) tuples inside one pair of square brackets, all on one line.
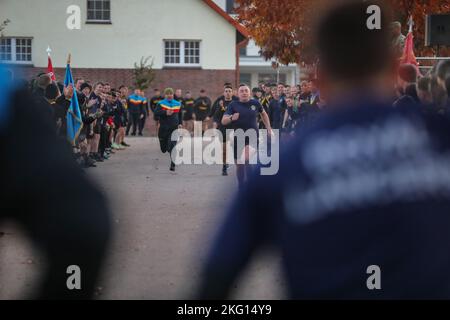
[(74, 121)]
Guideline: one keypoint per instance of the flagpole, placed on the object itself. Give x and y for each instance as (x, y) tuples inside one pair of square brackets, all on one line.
[(50, 63), (410, 23), (74, 109), (411, 45), (69, 58)]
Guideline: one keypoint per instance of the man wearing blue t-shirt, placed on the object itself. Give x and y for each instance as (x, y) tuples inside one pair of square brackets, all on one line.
[(243, 114)]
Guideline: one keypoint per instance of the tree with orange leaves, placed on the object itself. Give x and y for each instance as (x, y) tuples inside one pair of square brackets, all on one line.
[(418, 10), (282, 28)]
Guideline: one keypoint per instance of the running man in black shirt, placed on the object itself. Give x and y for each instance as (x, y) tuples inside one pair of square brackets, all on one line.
[(188, 112), (217, 118), (202, 108), (215, 105), (169, 113)]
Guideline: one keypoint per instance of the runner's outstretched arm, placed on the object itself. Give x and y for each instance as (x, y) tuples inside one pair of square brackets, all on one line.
[(266, 121)]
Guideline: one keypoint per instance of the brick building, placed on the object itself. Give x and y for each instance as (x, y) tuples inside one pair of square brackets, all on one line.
[(194, 43)]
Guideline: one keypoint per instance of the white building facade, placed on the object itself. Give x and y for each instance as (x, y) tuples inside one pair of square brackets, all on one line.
[(193, 43)]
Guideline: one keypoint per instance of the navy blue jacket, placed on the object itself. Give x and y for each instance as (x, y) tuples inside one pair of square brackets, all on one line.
[(366, 185)]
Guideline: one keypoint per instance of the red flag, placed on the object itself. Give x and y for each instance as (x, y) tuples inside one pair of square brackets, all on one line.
[(408, 51), (50, 68)]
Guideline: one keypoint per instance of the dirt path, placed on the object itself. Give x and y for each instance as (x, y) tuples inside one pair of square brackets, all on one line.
[(162, 225)]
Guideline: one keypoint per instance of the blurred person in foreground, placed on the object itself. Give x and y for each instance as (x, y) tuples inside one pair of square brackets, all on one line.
[(61, 211), (443, 81), (367, 185)]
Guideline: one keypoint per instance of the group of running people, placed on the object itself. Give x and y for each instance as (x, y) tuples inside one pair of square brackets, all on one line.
[(287, 106), (270, 106)]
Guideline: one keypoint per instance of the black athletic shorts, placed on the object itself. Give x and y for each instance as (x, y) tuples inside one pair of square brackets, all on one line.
[(164, 135), (238, 149), (188, 116)]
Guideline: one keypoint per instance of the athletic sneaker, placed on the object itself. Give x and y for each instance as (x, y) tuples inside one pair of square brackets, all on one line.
[(116, 146), (172, 166), (125, 144)]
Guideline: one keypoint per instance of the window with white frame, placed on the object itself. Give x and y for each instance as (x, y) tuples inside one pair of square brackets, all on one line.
[(23, 50), (192, 52), (182, 52), (5, 49), (172, 52), (99, 11), (15, 50)]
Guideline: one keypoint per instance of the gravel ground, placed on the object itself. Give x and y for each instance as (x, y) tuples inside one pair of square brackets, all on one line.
[(162, 225)]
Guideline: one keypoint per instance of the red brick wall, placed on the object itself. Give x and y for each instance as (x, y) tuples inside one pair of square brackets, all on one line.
[(186, 79)]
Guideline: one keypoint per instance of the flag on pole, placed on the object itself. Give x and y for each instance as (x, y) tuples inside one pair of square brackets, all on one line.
[(408, 51), (6, 86), (50, 65), (74, 122)]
